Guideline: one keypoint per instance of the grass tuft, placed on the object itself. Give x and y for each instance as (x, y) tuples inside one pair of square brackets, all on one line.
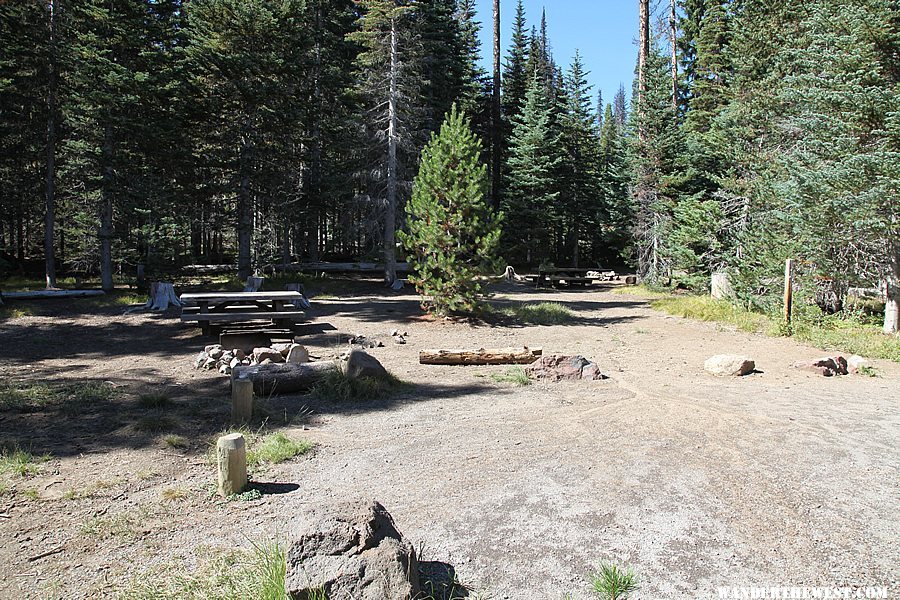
[(258, 573), (515, 376), (612, 582), (26, 396), (20, 462), (276, 448), (538, 313), (706, 308), (175, 441), (336, 386), (157, 399), (170, 493), (154, 423)]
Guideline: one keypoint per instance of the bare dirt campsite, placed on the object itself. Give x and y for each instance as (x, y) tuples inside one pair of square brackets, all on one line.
[(694, 481)]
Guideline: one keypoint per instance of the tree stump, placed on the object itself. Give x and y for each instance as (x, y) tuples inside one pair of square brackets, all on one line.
[(231, 456), (253, 284), (162, 295)]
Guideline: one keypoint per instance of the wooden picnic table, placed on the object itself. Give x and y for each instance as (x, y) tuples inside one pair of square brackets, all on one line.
[(237, 307), (567, 275)]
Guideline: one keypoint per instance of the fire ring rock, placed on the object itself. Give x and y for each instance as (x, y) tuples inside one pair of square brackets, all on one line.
[(352, 550), (558, 368)]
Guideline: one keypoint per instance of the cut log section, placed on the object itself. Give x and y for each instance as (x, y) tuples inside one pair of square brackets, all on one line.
[(482, 356), (281, 378)]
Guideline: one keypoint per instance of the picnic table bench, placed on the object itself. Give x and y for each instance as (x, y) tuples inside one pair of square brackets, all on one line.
[(239, 307)]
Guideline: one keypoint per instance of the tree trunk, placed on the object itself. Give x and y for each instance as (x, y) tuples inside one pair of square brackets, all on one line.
[(390, 216), (892, 295), (482, 356), (643, 52), (106, 208), (244, 208), (50, 180), (496, 158), (673, 32)]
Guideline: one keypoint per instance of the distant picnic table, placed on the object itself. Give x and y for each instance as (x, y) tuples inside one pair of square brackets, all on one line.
[(571, 276), (240, 307)]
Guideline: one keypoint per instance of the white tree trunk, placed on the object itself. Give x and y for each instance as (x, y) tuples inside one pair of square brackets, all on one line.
[(162, 295), (892, 296), (390, 216)]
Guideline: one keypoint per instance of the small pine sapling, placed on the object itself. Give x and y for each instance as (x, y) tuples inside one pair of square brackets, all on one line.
[(452, 234)]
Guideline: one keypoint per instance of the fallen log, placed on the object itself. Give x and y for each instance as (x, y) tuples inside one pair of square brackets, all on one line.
[(281, 378), (482, 356), (45, 294)]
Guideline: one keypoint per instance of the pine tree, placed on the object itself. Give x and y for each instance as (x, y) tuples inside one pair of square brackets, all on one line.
[(452, 233), (581, 200), (515, 75), (613, 237), (533, 158), (390, 63), (246, 58)]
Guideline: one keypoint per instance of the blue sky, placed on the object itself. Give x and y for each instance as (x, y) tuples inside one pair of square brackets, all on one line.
[(602, 30)]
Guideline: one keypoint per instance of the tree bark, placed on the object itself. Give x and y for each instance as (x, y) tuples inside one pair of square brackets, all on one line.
[(496, 125), (643, 52), (673, 32), (390, 216), (282, 378), (50, 179), (245, 207), (482, 356), (892, 294), (107, 154)]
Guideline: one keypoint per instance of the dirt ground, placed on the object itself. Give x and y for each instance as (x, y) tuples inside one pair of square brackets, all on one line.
[(778, 478)]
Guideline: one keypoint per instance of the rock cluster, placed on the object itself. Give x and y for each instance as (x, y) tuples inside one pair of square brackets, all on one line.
[(829, 366), (351, 550), (215, 357)]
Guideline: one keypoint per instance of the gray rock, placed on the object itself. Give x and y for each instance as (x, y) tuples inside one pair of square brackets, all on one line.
[(212, 347), (725, 365), (297, 354), (569, 368), (216, 353), (209, 364), (352, 550), (238, 353), (855, 363), (827, 366), (399, 339), (359, 364), (270, 354), (225, 369), (234, 362), (282, 347), (201, 359)]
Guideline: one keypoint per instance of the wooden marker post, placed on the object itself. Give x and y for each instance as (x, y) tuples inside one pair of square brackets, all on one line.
[(788, 289), (241, 401), (231, 456)]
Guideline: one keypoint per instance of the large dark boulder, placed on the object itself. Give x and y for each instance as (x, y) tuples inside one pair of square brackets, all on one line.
[(352, 550), (558, 368)]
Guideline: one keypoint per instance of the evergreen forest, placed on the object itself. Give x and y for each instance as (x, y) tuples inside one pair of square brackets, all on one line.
[(259, 133)]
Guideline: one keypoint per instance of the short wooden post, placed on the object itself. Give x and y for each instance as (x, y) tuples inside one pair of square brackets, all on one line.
[(231, 455), (788, 289), (241, 401)]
